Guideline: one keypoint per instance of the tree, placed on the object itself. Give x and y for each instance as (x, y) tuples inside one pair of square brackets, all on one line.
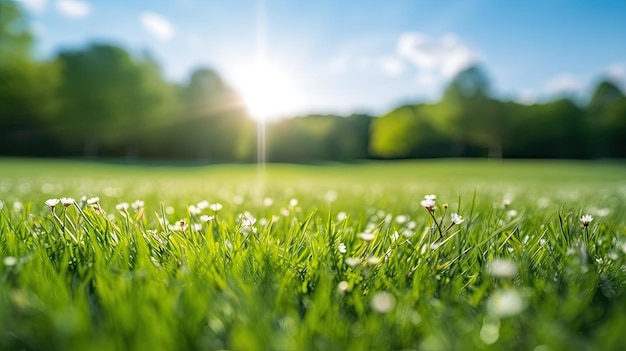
[(605, 119), (26, 88), (109, 100), (214, 124), (407, 132), (470, 116), (552, 130)]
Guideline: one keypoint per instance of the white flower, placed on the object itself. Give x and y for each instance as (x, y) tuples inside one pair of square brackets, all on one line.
[(247, 219), (93, 200), (215, 207), (330, 196), (293, 202), (193, 210), (353, 261), (18, 206), (52, 202), (383, 302), (586, 219), (401, 219), (66, 201), (428, 202), (501, 268), (137, 204), (178, 226), (169, 210), (394, 236), (505, 303), (511, 213), (203, 204), (246, 222), (268, 201), (373, 260), (196, 227), (343, 286), (366, 236), (431, 197), (341, 216), (456, 219), (205, 218), (122, 207), (9, 261), (342, 248)]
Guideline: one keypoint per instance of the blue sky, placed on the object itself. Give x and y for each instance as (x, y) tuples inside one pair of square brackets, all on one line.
[(355, 56)]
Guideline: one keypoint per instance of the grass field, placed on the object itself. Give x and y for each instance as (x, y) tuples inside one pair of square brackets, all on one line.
[(335, 257)]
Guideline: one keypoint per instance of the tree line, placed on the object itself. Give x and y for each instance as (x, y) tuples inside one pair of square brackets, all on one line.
[(102, 101)]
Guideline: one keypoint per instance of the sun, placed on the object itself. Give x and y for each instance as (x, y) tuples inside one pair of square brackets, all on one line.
[(268, 92)]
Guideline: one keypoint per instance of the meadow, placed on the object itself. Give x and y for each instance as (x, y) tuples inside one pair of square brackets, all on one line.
[(526, 255)]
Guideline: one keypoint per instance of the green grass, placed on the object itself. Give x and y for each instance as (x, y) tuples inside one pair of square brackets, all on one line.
[(525, 275)]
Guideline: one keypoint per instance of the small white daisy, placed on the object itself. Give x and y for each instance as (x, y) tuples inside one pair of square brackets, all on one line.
[(52, 202), (383, 302), (342, 248), (456, 219), (366, 236), (586, 219), (137, 204), (193, 210), (205, 218), (122, 206), (66, 201)]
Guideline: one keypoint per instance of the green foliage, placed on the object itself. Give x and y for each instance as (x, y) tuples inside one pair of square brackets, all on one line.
[(214, 121), (319, 137), (607, 119), (108, 99), (408, 131), (105, 101), (519, 271), (26, 87)]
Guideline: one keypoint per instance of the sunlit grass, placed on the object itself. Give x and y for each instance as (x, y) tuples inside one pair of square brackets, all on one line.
[(338, 257)]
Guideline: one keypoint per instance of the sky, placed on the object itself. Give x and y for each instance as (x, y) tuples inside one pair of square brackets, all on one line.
[(294, 57)]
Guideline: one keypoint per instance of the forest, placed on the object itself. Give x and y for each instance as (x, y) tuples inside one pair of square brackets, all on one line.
[(105, 101)]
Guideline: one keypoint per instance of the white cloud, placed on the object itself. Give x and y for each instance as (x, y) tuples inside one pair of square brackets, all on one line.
[(527, 97), (35, 6), (564, 83), (391, 65), (439, 57), (338, 64), (362, 62), (157, 25), (73, 8), (193, 41), (617, 71)]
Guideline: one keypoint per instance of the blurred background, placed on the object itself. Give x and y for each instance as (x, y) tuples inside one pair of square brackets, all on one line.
[(207, 81)]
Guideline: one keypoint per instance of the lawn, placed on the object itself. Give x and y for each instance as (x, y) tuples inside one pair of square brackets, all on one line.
[(328, 257)]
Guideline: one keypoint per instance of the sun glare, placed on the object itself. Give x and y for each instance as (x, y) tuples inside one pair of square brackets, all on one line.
[(268, 92)]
